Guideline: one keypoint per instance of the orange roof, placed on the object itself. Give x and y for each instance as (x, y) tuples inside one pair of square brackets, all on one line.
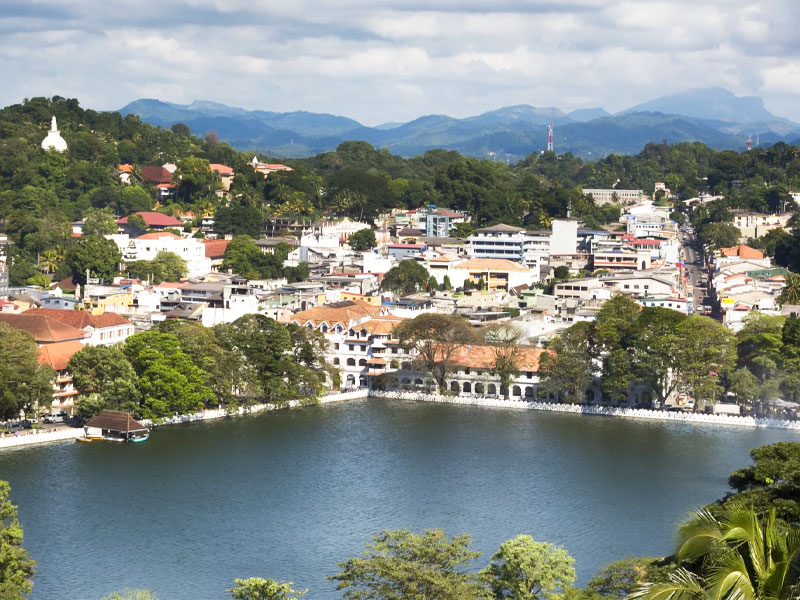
[(376, 361), (57, 355), (125, 168), (380, 325), (44, 329), (157, 235), (742, 251), (221, 169), (483, 357), (339, 312), (215, 248), (79, 319), (491, 264)]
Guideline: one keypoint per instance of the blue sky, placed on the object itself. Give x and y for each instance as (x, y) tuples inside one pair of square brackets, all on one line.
[(395, 60)]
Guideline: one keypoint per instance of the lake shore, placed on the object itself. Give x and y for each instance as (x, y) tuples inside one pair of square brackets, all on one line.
[(61, 435)]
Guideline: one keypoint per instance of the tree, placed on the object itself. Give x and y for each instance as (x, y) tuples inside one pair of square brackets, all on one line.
[(104, 374), (523, 569), (168, 381), (436, 339), (137, 223), (399, 564), (363, 239), (446, 284), (256, 588), (100, 222), (705, 350), (567, 367), (619, 578), (195, 179), (740, 555), (719, 235), (744, 384), (504, 339), (791, 292), (96, 254), (16, 567), (168, 266), (24, 382), (406, 278)]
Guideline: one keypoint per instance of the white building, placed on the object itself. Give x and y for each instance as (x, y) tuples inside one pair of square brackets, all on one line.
[(147, 246), (511, 243), (610, 195), (330, 235), (54, 141), (564, 237)]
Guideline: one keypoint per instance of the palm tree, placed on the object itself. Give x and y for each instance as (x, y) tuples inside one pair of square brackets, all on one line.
[(791, 293), (741, 556), (49, 260)]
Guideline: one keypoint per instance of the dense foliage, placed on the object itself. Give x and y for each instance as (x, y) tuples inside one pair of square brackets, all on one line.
[(41, 192), (16, 567), (182, 367)]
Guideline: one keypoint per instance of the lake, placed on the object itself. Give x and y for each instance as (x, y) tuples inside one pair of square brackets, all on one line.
[(289, 495)]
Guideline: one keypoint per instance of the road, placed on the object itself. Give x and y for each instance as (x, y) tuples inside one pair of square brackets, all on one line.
[(695, 271)]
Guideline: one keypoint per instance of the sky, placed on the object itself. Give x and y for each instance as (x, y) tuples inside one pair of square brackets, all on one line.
[(394, 60)]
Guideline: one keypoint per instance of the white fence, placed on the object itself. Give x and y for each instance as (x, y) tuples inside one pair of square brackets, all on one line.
[(218, 413), (635, 413), (39, 436)]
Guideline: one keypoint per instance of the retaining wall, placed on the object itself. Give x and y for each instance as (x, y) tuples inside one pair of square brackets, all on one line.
[(38, 436), (635, 413)]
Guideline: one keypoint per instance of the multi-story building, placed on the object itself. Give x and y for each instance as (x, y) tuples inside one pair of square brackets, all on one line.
[(608, 195), (439, 222), (104, 329), (147, 246), (510, 243)]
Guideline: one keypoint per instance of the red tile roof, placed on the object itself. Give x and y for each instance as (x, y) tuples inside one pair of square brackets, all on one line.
[(43, 329), (153, 219), (157, 235), (221, 169), (215, 248), (125, 168), (79, 319), (742, 251), (156, 174), (483, 357), (57, 355)]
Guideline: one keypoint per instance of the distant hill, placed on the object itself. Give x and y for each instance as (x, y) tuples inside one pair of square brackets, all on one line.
[(709, 103), (714, 116)]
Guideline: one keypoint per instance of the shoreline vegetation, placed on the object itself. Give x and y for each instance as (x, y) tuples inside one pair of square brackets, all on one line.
[(360, 394)]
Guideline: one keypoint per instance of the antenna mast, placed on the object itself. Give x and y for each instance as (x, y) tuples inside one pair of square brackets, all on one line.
[(550, 137)]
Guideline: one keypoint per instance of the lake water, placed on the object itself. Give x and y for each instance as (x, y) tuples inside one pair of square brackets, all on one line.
[(289, 495)]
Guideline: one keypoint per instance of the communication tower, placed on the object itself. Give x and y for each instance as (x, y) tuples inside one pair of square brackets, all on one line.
[(550, 137), (749, 142)]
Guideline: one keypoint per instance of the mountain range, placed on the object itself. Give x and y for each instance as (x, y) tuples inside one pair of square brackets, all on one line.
[(713, 116)]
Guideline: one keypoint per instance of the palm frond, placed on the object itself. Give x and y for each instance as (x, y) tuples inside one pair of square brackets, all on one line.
[(682, 585)]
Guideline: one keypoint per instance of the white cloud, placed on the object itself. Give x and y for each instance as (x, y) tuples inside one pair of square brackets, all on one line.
[(386, 60)]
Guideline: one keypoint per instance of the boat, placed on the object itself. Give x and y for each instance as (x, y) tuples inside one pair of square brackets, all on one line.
[(139, 437)]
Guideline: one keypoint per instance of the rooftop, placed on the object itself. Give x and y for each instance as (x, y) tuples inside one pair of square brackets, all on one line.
[(153, 219)]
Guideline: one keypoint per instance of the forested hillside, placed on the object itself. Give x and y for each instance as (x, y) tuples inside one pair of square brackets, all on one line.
[(42, 192)]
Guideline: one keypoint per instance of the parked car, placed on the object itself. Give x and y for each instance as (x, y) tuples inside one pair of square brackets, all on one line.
[(14, 427), (57, 417)]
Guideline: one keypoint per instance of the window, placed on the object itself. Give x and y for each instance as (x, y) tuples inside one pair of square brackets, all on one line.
[(336, 346), (350, 347), (362, 362), (336, 362), (351, 362)]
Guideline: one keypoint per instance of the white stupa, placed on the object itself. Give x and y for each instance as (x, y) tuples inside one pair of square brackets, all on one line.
[(54, 141)]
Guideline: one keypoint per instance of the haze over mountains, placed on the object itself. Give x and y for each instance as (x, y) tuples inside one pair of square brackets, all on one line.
[(714, 116)]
